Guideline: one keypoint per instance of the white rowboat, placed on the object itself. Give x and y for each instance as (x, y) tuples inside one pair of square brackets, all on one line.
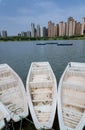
[(41, 89), (71, 97), (12, 93), (3, 115)]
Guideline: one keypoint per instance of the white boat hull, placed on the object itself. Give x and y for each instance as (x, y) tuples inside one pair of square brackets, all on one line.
[(12, 93), (71, 97), (41, 89)]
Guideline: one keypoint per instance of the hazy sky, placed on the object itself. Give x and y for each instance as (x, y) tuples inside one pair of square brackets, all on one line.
[(17, 15)]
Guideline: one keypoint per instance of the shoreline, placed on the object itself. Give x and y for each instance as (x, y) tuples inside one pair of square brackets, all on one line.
[(17, 38)]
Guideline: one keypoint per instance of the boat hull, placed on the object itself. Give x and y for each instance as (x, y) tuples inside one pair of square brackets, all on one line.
[(71, 97), (41, 89), (13, 94)]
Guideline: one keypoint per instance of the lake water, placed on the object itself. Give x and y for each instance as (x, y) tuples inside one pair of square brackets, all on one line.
[(20, 55)]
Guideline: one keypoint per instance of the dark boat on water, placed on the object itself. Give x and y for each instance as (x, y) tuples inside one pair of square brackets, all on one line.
[(55, 43), (47, 43), (52, 43), (64, 44), (41, 44)]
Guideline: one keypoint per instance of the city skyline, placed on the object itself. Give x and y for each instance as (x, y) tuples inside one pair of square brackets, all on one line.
[(70, 28), (16, 16)]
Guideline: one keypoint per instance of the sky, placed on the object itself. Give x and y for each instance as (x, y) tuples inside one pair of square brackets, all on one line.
[(17, 15)]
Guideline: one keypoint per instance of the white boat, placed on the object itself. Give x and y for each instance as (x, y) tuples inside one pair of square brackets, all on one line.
[(41, 89), (12, 93), (71, 97), (4, 115)]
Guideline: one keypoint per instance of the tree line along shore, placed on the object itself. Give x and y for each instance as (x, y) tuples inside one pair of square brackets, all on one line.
[(23, 38)]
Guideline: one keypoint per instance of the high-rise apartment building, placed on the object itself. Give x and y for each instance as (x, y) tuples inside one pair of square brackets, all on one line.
[(38, 31), (51, 29), (56, 30), (66, 28), (83, 25), (44, 32), (78, 28), (4, 34), (0, 34), (74, 27), (33, 30), (24, 34), (71, 26), (62, 28), (28, 34), (35, 33)]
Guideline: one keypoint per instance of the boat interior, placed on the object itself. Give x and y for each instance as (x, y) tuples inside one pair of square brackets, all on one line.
[(41, 89), (73, 96), (10, 91)]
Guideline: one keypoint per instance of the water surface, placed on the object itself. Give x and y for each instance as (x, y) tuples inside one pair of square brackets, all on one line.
[(20, 55)]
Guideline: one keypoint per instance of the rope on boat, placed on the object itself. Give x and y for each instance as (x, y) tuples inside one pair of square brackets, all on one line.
[(6, 123), (29, 120), (9, 125), (13, 126), (21, 118)]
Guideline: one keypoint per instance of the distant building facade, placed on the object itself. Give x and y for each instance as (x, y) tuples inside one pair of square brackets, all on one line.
[(51, 29), (24, 34), (0, 34), (4, 34), (38, 31), (28, 33), (71, 26), (44, 32), (62, 28), (56, 30), (33, 30), (83, 25), (78, 30)]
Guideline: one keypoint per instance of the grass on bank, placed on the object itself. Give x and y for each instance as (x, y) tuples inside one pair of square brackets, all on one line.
[(23, 38)]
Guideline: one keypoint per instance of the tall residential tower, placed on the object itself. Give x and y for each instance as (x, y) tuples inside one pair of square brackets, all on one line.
[(83, 25), (38, 31), (32, 30)]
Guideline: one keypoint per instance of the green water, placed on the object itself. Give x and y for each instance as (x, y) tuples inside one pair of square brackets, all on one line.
[(19, 56)]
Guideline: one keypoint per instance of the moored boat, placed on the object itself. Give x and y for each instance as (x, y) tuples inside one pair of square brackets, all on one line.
[(12, 93), (41, 89), (41, 44), (64, 44), (4, 115), (71, 97)]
